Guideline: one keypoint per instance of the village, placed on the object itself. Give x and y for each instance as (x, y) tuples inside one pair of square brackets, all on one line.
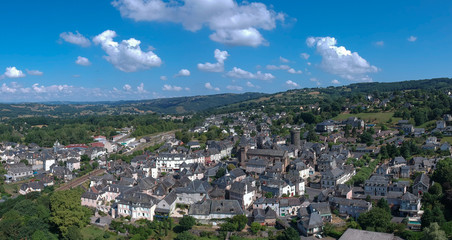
[(308, 179)]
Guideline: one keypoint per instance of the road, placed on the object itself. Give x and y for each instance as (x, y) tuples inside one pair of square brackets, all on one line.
[(79, 181)]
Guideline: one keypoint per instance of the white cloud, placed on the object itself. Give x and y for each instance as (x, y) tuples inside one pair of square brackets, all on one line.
[(163, 78), (335, 81), (232, 23), (304, 55), (292, 84), (210, 87), (127, 87), (183, 73), (82, 61), (317, 81), (220, 56), (340, 61), (140, 88), (167, 87), (35, 72), (309, 63), (274, 67), (13, 72), (234, 88), (6, 89), (380, 43), (127, 55), (77, 39), (240, 73), (284, 60), (249, 84), (412, 39), (293, 71)]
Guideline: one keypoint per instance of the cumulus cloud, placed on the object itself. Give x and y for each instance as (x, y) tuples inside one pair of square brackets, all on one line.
[(167, 87), (220, 56), (210, 87), (304, 55), (140, 88), (234, 88), (284, 60), (274, 67), (240, 73), (75, 38), (317, 81), (412, 39), (163, 78), (82, 61), (249, 84), (13, 72), (127, 55), (380, 43), (232, 23), (340, 61), (183, 73), (292, 84), (293, 71), (35, 72), (335, 81), (127, 87)]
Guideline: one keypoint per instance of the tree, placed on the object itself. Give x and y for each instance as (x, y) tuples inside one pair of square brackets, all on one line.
[(377, 218), (433, 232), (268, 194), (185, 236), (231, 167), (368, 198), (255, 227), (74, 233), (289, 234), (67, 210), (187, 222), (383, 204), (241, 221), (220, 173)]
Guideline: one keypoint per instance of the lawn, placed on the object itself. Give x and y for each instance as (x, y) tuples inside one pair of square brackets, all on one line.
[(446, 139), (91, 232), (381, 117)]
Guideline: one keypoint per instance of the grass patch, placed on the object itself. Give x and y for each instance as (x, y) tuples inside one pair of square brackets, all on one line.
[(446, 139), (91, 232), (380, 117)]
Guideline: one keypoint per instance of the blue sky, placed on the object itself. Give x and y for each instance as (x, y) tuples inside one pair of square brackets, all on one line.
[(142, 49)]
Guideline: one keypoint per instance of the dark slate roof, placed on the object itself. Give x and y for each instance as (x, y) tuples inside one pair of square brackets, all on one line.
[(266, 152), (196, 186), (314, 221), (423, 178)]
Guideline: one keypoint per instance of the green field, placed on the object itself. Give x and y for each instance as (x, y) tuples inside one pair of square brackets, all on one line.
[(371, 117), (91, 232), (446, 139)]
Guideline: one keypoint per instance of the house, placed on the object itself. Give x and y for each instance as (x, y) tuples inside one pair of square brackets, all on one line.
[(36, 186), (311, 225), (243, 192), (194, 192), (326, 126), (407, 129), (440, 125), (256, 165), (336, 176), (18, 172), (263, 203), (289, 206), (421, 184), (376, 185), (355, 234), (73, 164), (215, 209), (265, 216), (410, 205), (137, 206), (89, 199), (167, 205), (350, 207), (323, 209)]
